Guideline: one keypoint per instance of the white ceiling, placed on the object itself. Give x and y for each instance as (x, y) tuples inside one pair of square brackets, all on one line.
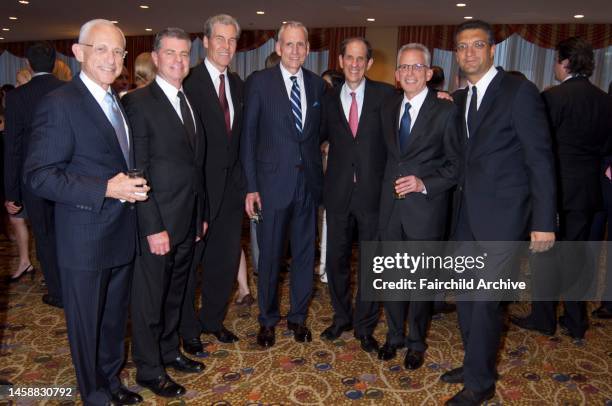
[(59, 19)]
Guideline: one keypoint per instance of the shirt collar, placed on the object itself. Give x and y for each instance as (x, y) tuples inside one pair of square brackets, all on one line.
[(95, 89), (417, 101), (167, 88), (40, 74), (359, 91), (484, 81), (212, 69), (287, 75)]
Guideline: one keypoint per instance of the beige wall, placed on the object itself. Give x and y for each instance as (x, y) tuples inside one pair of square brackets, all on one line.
[(384, 44)]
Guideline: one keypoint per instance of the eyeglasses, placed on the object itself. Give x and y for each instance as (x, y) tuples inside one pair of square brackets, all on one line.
[(103, 50), (417, 67), (476, 44)]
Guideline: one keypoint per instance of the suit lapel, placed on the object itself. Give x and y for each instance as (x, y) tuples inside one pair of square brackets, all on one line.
[(340, 110), (393, 136), (236, 104), (425, 113), (309, 95), (367, 101), (284, 102), (167, 107), (99, 118), (487, 101)]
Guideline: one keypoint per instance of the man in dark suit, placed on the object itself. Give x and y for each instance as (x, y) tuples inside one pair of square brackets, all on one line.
[(581, 122), (216, 94), (422, 141), (282, 162), (506, 191), (21, 105), (169, 147), (351, 194), (79, 150)]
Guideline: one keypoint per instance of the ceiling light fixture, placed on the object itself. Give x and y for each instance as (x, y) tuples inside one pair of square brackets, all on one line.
[(148, 29), (144, 6), (1, 38), (260, 12), (579, 16), (284, 22), (12, 18), (370, 19), (461, 4), (468, 17), (24, 1), (6, 29), (114, 21)]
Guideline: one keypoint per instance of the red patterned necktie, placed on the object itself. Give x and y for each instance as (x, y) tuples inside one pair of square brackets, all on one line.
[(224, 105)]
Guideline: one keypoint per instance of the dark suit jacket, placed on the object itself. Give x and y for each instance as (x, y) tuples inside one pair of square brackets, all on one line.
[(580, 117), (363, 155), (174, 169), (21, 105), (271, 147), (507, 181), (73, 153), (432, 154), (222, 151)]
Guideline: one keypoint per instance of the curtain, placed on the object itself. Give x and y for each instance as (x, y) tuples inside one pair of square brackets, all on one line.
[(535, 62), (543, 35)]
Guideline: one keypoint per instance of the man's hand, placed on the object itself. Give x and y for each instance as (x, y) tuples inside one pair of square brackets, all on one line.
[(123, 187), (11, 208), (408, 184), (325, 148), (541, 241), (159, 244), (444, 96), (249, 203), (204, 230), (608, 173)]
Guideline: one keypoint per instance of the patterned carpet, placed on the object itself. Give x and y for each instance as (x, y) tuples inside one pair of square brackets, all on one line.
[(535, 370)]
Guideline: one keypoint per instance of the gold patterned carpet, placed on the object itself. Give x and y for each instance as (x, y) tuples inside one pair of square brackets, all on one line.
[(535, 370)]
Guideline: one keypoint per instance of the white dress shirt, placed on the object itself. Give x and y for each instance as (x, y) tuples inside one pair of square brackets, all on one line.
[(214, 75), (289, 84), (100, 94), (481, 88), (171, 93), (347, 100), (415, 106)]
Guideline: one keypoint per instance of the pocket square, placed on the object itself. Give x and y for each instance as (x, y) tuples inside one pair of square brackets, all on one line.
[(315, 104)]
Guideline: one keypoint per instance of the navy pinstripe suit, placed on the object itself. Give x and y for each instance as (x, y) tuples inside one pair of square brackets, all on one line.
[(73, 152), (285, 168)]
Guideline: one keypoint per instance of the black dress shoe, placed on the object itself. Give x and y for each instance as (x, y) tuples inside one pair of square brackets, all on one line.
[(453, 376), (193, 346), (368, 343), (163, 386), (266, 337), (467, 397), (52, 301), (301, 333), (184, 364), (414, 359), (334, 331), (565, 330), (528, 324), (123, 396), (602, 312), (224, 335), (388, 351)]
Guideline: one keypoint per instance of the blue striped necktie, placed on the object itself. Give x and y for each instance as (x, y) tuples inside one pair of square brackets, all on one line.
[(116, 118), (296, 104)]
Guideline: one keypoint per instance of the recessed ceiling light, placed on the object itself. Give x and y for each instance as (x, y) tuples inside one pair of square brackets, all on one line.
[(144, 6), (24, 1), (284, 22), (468, 17), (6, 29), (114, 21), (12, 18), (260, 12), (371, 19), (148, 29), (1, 38), (461, 4), (579, 16)]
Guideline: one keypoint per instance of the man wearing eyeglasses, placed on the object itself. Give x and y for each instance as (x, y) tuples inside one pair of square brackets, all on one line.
[(216, 94), (169, 147), (80, 149), (422, 143), (506, 192)]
